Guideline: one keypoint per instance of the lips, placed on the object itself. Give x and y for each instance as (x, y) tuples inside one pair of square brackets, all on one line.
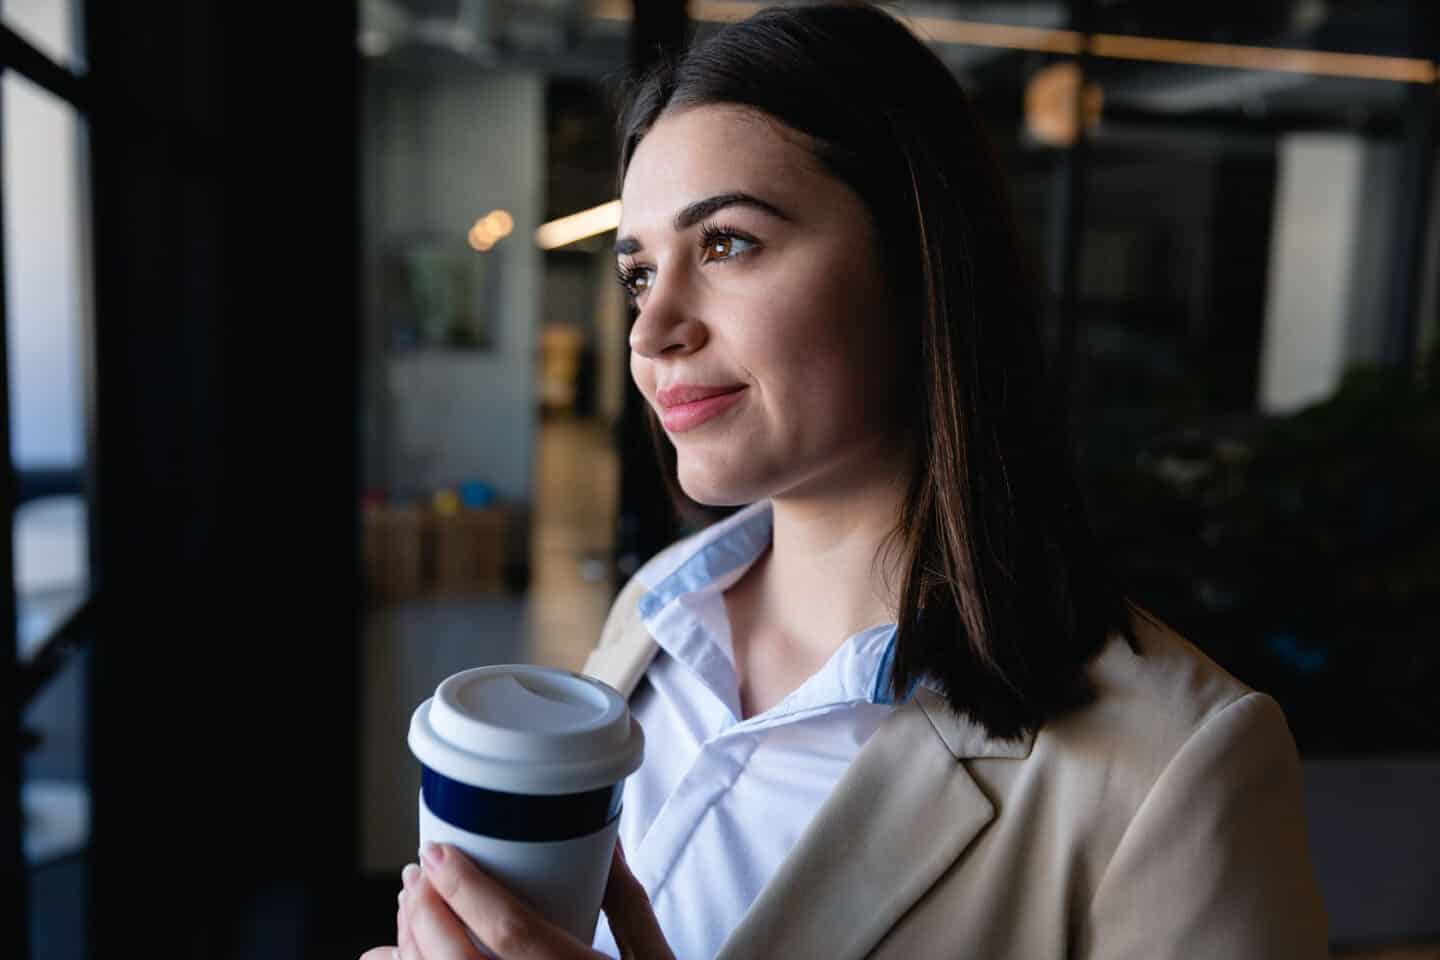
[(686, 406), (683, 393)]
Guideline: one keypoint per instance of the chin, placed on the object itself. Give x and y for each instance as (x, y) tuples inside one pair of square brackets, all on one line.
[(717, 498), (710, 490)]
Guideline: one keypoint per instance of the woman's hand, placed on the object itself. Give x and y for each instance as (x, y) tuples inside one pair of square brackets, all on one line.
[(451, 893)]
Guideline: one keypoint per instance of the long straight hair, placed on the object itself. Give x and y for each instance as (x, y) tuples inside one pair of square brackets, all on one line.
[(1005, 596)]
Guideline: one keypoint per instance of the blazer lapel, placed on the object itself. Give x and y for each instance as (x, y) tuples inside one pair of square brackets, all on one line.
[(902, 814), (623, 664), (626, 647)]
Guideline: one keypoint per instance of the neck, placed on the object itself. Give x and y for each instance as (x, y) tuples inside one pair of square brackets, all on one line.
[(826, 575)]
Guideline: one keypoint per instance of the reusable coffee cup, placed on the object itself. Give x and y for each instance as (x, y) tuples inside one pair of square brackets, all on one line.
[(522, 768)]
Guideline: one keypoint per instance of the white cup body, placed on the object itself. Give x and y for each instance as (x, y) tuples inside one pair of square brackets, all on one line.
[(547, 751), (563, 879)]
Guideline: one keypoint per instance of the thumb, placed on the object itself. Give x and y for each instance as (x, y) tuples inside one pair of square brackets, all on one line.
[(632, 920)]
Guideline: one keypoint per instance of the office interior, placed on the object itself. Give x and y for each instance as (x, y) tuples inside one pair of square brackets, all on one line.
[(316, 393)]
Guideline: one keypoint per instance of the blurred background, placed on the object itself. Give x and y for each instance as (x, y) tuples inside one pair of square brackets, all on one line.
[(316, 393)]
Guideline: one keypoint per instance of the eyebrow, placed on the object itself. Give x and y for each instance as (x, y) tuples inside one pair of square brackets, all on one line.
[(700, 209)]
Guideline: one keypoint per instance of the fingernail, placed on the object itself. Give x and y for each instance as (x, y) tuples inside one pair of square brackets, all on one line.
[(408, 875), (433, 854)]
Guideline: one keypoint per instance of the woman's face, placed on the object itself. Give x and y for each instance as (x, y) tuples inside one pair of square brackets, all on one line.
[(765, 339)]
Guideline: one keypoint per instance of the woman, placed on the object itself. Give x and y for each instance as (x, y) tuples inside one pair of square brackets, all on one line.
[(893, 706)]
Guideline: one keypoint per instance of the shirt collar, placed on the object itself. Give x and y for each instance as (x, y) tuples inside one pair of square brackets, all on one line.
[(683, 612), (723, 550)]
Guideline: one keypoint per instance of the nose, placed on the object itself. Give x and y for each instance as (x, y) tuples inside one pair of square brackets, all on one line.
[(667, 323)]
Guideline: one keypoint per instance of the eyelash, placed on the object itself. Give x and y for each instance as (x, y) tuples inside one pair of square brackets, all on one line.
[(627, 272), (711, 232)]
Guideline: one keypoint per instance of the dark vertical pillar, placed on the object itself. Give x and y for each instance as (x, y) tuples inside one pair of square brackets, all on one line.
[(224, 681), (645, 519), (1068, 218), (1237, 279), (16, 937), (1414, 188), (158, 389)]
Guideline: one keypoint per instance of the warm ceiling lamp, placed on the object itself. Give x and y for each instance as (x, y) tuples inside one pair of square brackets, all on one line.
[(1320, 63), (578, 226), (499, 222), (493, 226), (1050, 109)]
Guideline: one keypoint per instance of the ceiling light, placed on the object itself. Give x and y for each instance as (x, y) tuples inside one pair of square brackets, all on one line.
[(578, 226), (499, 223), (1112, 46), (479, 237), (1050, 107)]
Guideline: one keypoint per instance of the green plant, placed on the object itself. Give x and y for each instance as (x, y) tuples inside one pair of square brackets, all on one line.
[(1302, 552)]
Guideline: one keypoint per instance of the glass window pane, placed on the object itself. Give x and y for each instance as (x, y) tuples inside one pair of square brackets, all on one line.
[(45, 294), (51, 26), (51, 568)]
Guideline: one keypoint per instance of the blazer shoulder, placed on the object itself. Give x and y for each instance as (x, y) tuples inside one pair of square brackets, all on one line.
[(1148, 705), (1167, 681)]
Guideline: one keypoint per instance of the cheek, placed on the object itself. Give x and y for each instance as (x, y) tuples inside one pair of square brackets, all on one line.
[(828, 339), (816, 385), (865, 344), (642, 371)]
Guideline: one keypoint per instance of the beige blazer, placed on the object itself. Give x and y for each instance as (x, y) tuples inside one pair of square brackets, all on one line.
[(1163, 821)]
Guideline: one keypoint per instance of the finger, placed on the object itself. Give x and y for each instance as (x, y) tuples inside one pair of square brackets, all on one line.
[(404, 939), (503, 922), (628, 911), (379, 953), (438, 934)]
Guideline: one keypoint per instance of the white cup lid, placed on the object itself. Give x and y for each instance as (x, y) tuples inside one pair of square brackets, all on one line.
[(526, 729)]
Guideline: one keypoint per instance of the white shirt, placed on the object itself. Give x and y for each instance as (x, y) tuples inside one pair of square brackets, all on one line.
[(718, 803)]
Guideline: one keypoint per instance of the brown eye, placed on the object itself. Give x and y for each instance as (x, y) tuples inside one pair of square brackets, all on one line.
[(633, 280), (721, 245)]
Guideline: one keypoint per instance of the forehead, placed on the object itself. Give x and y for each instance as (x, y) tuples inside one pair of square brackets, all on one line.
[(696, 152)]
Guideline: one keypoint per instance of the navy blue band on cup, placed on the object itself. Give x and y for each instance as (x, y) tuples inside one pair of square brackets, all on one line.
[(534, 818)]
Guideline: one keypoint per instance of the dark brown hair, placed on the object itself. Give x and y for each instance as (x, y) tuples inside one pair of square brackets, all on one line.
[(1005, 596)]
